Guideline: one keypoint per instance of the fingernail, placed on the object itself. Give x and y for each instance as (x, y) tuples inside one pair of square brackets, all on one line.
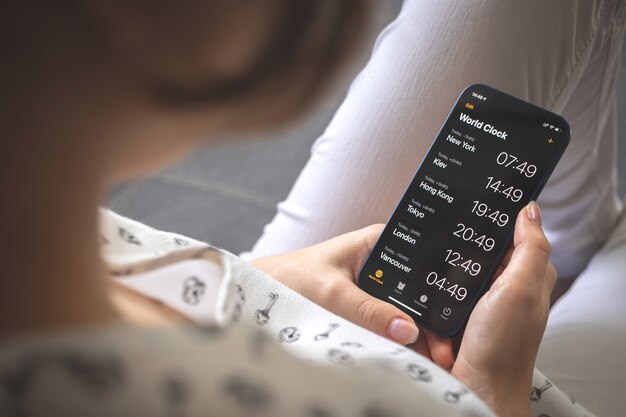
[(402, 331), (533, 212)]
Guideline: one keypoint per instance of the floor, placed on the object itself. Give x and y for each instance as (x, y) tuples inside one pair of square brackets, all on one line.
[(238, 184)]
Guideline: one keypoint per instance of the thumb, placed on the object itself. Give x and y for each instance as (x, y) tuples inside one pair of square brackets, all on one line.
[(349, 252), (376, 315), (529, 266)]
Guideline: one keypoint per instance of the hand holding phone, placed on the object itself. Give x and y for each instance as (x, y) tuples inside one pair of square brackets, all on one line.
[(497, 353), (454, 224)]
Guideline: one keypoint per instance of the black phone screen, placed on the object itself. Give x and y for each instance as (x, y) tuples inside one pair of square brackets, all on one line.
[(455, 222)]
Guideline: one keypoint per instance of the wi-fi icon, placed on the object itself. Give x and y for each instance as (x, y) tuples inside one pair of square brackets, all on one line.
[(552, 127)]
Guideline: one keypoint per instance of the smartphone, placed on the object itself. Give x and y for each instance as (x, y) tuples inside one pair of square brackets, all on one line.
[(455, 222)]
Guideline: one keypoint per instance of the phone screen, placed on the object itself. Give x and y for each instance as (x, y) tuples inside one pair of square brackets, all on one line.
[(455, 222)]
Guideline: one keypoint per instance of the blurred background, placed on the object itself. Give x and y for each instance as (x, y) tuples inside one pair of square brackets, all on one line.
[(225, 194)]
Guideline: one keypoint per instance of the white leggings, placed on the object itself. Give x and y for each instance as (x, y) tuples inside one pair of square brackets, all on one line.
[(561, 55)]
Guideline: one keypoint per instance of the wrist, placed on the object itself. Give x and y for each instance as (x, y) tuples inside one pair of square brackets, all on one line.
[(506, 397), (508, 404)]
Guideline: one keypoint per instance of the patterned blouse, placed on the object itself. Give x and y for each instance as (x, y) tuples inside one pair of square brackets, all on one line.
[(256, 348)]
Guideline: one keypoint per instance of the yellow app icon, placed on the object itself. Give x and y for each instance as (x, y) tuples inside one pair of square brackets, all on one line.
[(378, 274)]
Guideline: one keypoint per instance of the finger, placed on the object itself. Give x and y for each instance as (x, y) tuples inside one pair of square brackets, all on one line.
[(531, 252), (440, 348), (550, 283), (502, 266), (456, 343), (421, 346), (353, 246), (507, 257), (373, 314), (551, 278)]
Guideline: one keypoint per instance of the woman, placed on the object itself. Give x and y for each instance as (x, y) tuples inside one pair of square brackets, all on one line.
[(98, 91)]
